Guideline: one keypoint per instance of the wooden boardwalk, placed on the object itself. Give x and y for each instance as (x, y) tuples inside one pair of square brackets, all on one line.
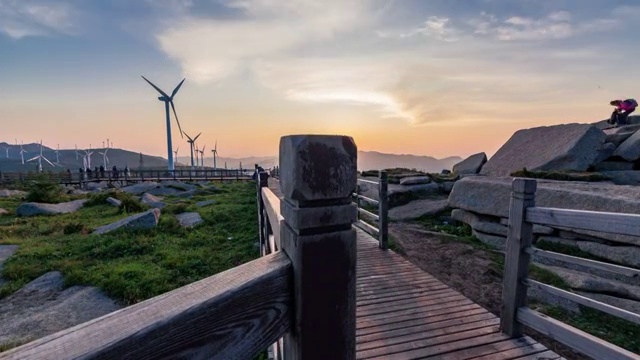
[(404, 313)]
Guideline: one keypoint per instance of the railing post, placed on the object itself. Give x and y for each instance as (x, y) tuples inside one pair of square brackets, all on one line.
[(260, 183), (516, 266), (318, 176), (383, 211)]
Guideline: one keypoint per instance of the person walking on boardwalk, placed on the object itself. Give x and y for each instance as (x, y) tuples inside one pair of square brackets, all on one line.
[(622, 111)]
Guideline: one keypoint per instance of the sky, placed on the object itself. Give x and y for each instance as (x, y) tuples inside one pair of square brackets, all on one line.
[(425, 77)]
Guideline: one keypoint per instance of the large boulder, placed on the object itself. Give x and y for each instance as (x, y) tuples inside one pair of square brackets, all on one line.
[(418, 208), (630, 148), (570, 147), (140, 188), (33, 209), (152, 201), (146, 220), (605, 152), (491, 196), (11, 193), (471, 165), (189, 219), (415, 180), (630, 177)]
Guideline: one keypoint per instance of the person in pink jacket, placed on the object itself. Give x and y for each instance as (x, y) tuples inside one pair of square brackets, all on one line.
[(622, 111)]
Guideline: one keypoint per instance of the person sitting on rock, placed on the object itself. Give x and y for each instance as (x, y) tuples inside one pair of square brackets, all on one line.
[(622, 111)]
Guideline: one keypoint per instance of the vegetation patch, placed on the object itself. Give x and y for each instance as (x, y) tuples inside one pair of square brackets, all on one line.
[(43, 190), (558, 175)]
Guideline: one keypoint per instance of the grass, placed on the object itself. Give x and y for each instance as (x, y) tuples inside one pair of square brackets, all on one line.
[(558, 175), (132, 266)]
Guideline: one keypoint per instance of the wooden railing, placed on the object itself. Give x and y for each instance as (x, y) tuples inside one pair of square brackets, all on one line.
[(366, 218), (304, 295), (515, 313)]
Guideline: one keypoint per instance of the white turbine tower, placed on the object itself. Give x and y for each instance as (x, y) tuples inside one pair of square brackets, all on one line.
[(105, 158), (40, 158), (58, 154), (191, 145), (22, 152), (6, 149), (87, 156), (175, 152), (215, 155), (169, 100), (202, 156)]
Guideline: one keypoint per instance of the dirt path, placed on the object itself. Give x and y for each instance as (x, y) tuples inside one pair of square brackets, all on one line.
[(463, 267)]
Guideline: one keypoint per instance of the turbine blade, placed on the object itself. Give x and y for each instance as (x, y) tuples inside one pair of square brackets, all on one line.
[(175, 91), (33, 158), (155, 87), (178, 121), (196, 138), (47, 160)]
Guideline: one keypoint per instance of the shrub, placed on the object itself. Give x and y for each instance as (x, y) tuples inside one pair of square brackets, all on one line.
[(101, 198), (74, 228), (177, 208), (44, 190), (130, 204)]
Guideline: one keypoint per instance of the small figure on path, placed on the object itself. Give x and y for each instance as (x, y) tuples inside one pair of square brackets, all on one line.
[(622, 111)]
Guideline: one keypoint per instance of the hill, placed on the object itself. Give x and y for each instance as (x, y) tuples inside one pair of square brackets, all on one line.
[(373, 160)]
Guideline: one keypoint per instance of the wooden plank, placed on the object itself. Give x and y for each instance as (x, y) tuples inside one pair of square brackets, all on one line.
[(421, 290), (613, 223), (388, 284), (366, 198), (436, 344), (508, 349), (233, 314), (582, 300), (445, 298), (272, 206), (520, 235), (394, 315), (366, 228), (611, 268), (400, 298), (367, 181), (572, 337)]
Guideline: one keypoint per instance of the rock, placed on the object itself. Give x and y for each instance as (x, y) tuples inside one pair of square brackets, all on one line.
[(613, 166), (180, 186), (570, 147), (187, 194), (205, 203), (3, 211), (623, 177), (152, 201), (44, 307), (598, 236), (537, 229), (140, 188), (617, 138), (552, 299), (92, 186), (189, 219), (445, 172), (625, 255), (403, 194), (491, 196), (415, 180), (470, 165), (418, 208), (485, 224), (78, 192), (4, 193), (145, 220), (496, 242), (164, 191), (580, 281), (605, 152), (447, 186), (630, 148), (32, 209), (113, 201), (6, 251), (629, 305)]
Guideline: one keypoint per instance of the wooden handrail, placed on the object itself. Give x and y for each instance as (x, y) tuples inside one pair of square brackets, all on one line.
[(272, 207), (231, 315), (599, 265), (607, 222)]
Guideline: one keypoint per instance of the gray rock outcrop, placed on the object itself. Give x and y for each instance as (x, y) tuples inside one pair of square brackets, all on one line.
[(418, 208), (630, 148), (415, 180), (113, 201), (471, 165), (141, 188), (570, 147), (152, 201), (33, 209), (146, 220), (189, 219)]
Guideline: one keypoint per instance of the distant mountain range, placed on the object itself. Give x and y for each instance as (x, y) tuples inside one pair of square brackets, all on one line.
[(367, 160)]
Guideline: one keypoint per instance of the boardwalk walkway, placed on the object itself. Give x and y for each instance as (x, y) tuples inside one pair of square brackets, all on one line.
[(405, 313)]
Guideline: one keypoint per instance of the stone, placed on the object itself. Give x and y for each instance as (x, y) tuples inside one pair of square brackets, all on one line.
[(152, 201), (92, 186), (304, 180), (113, 201), (445, 172), (598, 236), (415, 180), (617, 138), (625, 255), (178, 185), (164, 191), (187, 194), (447, 186), (141, 188), (33, 209), (418, 208), (630, 148), (492, 196), (623, 177), (605, 152), (613, 166), (189, 219), (146, 220), (591, 283), (6, 251), (537, 228), (485, 224), (4, 193), (569, 147), (496, 242), (205, 203), (78, 192), (404, 194), (4, 211), (471, 165)]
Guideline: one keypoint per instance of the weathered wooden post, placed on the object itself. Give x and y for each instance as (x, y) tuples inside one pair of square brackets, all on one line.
[(318, 174), (383, 211), (516, 266), (261, 181)]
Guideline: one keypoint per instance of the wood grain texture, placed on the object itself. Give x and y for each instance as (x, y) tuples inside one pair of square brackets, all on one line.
[(585, 301), (383, 211), (613, 223), (231, 315), (611, 268), (578, 340), (272, 207), (516, 266)]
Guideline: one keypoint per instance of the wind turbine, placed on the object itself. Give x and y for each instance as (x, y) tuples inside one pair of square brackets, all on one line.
[(202, 155), (87, 155), (6, 149), (58, 154), (105, 158), (22, 152), (77, 152), (196, 153), (40, 158), (215, 154), (191, 144), (176, 153), (169, 100)]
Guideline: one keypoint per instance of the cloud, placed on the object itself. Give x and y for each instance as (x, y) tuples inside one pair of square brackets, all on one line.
[(210, 49), (19, 19)]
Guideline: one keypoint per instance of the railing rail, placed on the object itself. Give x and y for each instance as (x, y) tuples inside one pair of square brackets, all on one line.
[(515, 314), (381, 219), (302, 297)]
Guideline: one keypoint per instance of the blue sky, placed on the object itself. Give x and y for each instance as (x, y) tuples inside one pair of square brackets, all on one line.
[(438, 77)]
